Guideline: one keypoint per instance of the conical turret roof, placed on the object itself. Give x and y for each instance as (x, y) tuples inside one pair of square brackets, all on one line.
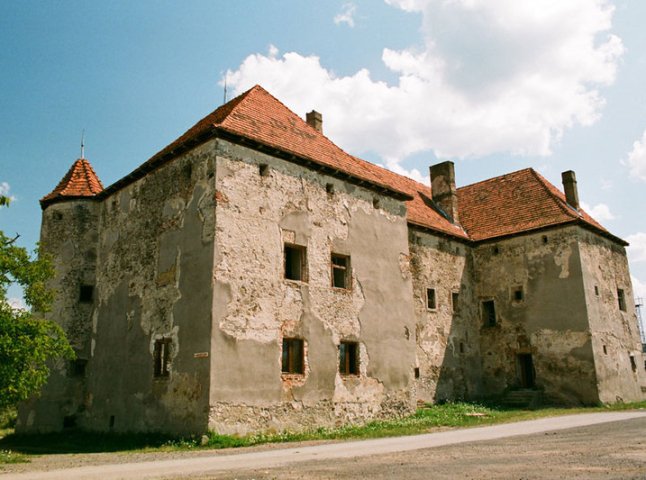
[(80, 181)]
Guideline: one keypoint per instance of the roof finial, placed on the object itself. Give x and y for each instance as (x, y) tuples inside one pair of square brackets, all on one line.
[(83, 144)]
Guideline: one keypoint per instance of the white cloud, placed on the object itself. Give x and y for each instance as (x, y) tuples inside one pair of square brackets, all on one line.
[(600, 211), (639, 291), (637, 159), (17, 303), (346, 15), (637, 248), (5, 191), (490, 76)]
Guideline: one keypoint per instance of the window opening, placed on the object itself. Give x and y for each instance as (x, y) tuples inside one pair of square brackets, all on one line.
[(292, 361), (416, 372), (455, 298), (295, 262), (605, 350), (376, 203), (431, 304), (349, 358), (161, 357), (519, 295), (633, 364), (622, 299), (77, 367), (489, 313), (329, 188), (596, 290), (263, 169), (340, 271), (86, 293)]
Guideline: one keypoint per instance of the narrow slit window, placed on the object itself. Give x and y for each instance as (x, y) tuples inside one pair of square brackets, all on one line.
[(633, 364), (455, 301), (295, 262), (621, 298), (292, 361), (489, 313), (341, 271), (596, 290), (431, 303), (349, 358), (161, 357)]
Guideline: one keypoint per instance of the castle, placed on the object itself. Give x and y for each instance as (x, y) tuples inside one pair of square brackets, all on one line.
[(253, 276)]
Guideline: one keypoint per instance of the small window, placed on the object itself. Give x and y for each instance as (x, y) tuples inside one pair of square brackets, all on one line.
[(77, 367), (295, 262), (461, 347), (455, 301), (341, 275), (263, 169), (605, 350), (622, 299), (544, 238), (349, 358), (596, 290), (376, 203), (161, 357), (496, 250), (489, 313), (633, 364), (431, 304), (86, 293), (292, 361), (329, 188), (416, 372), (519, 295)]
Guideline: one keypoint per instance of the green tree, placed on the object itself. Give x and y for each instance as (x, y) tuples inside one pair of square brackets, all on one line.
[(27, 341)]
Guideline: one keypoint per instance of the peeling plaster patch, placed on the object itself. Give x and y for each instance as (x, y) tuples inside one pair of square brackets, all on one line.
[(562, 260)]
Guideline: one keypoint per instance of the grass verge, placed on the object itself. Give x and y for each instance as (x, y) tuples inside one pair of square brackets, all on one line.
[(17, 448)]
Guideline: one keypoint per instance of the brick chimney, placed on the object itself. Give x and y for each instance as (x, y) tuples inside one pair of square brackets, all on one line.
[(315, 120), (443, 188), (569, 187)]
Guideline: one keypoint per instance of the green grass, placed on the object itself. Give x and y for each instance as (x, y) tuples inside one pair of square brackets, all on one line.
[(16, 448)]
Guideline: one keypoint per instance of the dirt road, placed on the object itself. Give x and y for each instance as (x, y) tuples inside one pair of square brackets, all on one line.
[(591, 446)]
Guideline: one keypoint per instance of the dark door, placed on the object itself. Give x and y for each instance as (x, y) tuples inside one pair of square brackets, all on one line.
[(526, 370)]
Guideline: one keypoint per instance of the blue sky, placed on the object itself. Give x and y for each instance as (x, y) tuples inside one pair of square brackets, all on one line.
[(495, 86)]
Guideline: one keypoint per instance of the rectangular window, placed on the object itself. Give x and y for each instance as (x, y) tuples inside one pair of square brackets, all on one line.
[(295, 262), (519, 295), (633, 364), (455, 298), (161, 356), (596, 290), (489, 313), (341, 271), (86, 293), (77, 367), (622, 299), (349, 358), (293, 356), (431, 304)]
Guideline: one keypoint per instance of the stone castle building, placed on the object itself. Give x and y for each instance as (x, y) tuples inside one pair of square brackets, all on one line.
[(254, 276)]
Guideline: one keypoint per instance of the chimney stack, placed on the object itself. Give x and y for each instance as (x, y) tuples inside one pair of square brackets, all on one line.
[(443, 189), (315, 120), (569, 187)]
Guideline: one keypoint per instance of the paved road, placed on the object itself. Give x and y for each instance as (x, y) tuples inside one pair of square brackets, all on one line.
[(336, 452)]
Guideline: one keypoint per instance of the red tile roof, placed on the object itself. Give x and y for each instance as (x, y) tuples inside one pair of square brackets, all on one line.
[(514, 203), (511, 204), (80, 181)]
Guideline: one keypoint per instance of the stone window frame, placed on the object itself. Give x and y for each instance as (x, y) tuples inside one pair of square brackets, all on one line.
[(344, 270), (431, 299), (303, 271), (162, 357), (349, 358), (292, 356)]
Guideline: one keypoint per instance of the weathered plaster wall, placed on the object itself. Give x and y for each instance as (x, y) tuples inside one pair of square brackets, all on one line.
[(448, 346), (255, 307), (69, 235), (550, 322), (615, 334)]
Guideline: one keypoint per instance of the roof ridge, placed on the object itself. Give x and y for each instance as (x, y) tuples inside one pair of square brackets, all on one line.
[(496, 178)]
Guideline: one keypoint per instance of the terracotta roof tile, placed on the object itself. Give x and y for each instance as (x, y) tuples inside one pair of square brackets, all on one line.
[(79, 181), (513, 203), (506, 205)]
